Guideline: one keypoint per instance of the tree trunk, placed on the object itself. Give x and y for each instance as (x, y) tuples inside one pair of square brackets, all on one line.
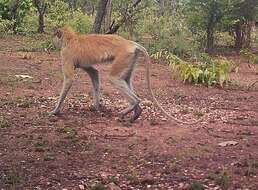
[(100, 15), (248, 33), (108, 15), (162, 7), (14, 9), (210, 38), (41, 23), (243, 34), (238, 36), (41, 8), (113, 28)]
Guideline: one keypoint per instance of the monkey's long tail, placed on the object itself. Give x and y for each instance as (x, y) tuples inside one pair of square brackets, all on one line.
[(147, 59)]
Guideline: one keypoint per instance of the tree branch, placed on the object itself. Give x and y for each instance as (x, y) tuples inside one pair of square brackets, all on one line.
[(129, 12)]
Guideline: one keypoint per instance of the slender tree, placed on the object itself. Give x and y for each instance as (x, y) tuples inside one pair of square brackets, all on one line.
[(129, 13), (244, 15), (205, 15), (14, 6), (41, 6), (107, 20), (101, 11)]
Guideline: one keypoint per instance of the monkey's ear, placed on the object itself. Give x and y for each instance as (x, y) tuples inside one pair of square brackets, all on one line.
[(58, 33)]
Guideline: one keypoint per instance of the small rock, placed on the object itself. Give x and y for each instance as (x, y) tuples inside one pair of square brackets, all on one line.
[(147, 179), (24, 76), (81, 187), (228, 143), (146, 103), (113, 186), (104, 175), (181, 185)]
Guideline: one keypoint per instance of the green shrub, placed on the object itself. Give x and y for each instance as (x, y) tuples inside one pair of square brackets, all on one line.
[(29, 24), (6, 12), (171, 34), (80, 22), (4, 123), (206, 70), (58, 14), (5, 26), (250, 56), (195, 185)]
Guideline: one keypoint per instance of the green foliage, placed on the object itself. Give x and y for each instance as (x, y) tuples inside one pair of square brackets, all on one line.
[(98, 186), (4, 9), (220, 178), (5, 25), (250, 56), (80, 22), (29, 24), (14, 11), (169, 33), (10, 18), (58, 14), (4, 123), (207, 70), (47, 45), (203, 16), (195, 185)]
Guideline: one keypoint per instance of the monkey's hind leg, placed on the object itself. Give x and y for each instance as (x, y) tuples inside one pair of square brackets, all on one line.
[(128, 77), (68, 73), (134, 101), (94, 75)]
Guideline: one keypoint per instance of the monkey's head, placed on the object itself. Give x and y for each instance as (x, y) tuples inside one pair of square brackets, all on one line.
[(62, 36)]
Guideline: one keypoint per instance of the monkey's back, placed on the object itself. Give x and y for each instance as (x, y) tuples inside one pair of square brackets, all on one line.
[(96, 48)]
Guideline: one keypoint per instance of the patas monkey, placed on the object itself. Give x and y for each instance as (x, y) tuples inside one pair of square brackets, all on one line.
[(84, 51)]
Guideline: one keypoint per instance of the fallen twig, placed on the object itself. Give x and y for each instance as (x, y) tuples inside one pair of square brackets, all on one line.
[(251, 85)]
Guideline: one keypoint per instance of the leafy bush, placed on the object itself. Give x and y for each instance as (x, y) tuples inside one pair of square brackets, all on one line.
[(250, 56), (80, 22), (5, 26), (206, 70), (4, 123), (47, 45), (14, 11), (58, 14), (29, 24), (167, 32)]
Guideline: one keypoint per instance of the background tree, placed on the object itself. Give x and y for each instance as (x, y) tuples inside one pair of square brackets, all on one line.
[(101, 11), (41, 6), (127, 12), (243, 17), (108, 15), (15, 11), (204, 15)]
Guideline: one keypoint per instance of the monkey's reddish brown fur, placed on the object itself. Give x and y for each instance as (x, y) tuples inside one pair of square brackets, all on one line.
[(83, 51), (95, 49)]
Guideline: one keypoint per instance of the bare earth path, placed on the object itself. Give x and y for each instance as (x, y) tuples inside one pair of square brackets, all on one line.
[(83, 147)]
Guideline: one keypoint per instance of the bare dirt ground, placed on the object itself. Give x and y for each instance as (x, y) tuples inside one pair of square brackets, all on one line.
[(86, 149)]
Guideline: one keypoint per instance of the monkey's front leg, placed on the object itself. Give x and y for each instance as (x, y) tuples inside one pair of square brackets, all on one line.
[(68, 72), (66, 87)]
